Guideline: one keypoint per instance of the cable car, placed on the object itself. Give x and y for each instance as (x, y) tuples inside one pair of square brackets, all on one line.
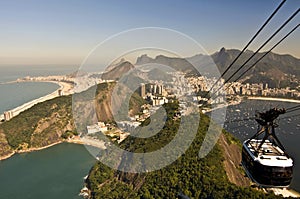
[(265, 160)]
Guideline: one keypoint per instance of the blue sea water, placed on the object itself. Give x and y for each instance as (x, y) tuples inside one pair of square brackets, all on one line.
[(15, 94), (13, 72), (56, 172), (288, 130)]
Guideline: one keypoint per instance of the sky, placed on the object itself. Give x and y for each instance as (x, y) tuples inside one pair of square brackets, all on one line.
[(64, 32)]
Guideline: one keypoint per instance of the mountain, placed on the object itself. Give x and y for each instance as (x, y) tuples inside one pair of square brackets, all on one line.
[(52, 121), (178, 64), (274, 69), (218, 175), (43, 124), (117, 71)]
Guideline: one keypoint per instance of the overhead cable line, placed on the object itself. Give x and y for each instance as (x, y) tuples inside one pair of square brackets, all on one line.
[(293, 110), (240, 120), (271, 37), (291, 116), (268, 52), (292, 107), (264, 55), (251, 40)]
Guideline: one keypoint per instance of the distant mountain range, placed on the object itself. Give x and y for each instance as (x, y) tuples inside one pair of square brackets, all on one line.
[(274, 69), (115, 72)]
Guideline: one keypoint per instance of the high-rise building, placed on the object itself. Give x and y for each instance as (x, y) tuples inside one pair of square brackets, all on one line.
[(60, 92), (154, 88), (8, 115), (160, 89), (143, 90)]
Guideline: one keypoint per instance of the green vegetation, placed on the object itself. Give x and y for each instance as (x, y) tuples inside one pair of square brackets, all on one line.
[(231, 139), (41, 125), (52, 121), (158, 140), (190, 175), (68, 134)]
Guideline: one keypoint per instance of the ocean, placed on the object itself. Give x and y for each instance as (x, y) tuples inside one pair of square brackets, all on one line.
[(16, 94), (13, 72), (56, 172)]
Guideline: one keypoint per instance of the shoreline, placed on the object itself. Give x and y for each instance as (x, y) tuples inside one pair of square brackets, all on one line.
[(273, 99), (254, 98), (65, 87), (75, 140), (29, 150), (286, 192), (7, 156)]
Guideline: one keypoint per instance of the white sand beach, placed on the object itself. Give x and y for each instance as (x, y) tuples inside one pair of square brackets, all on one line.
[(274, 99), (66, 88)]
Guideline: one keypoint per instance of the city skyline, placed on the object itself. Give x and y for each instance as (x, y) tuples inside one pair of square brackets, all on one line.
[(56, 32)]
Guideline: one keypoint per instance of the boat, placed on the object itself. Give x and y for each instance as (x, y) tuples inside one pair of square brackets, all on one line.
[(265, 160)]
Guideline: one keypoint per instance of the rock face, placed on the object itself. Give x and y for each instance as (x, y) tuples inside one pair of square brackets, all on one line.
[(116, 72), (52, 121), (144, 59), (5, 148), (232, 160)]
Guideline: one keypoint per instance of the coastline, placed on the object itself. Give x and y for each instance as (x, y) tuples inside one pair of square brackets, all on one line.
[(29, 150), (65, 87), (75, 140), (254, 98), (273, 99), (7, 156)]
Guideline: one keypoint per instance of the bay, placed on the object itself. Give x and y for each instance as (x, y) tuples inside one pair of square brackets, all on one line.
[(16, 94), (13, 95), (13, 72), (288, 130), (55, 172)]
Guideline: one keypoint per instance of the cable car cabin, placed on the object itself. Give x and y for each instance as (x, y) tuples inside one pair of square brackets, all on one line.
[(269, 166)]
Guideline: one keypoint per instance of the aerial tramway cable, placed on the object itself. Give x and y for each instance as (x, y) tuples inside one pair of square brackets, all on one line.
[(266, 42), (266, 53), (290, 116), (298, 106), (251, 40), (293, 110)]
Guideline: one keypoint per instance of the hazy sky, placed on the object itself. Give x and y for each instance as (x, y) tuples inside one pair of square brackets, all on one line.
[(65, 31)]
